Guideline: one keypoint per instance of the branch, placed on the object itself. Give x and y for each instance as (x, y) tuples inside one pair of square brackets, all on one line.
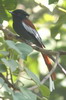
[(48, 75), (7, 82), (53, 69), (63, 70), (11, 36)]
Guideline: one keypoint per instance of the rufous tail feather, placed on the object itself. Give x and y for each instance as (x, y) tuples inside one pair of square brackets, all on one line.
[(49, 65)]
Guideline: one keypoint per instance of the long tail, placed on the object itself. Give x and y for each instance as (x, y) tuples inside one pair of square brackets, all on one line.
[(48, 63)]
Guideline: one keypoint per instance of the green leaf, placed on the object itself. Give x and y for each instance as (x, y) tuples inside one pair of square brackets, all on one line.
[(8, 95), (33, 76), (1, 81), (55, 30), (3, 14), (53, 1), (6, 88), (5, 53), (44, 90), (11, 4), (12, 45), (62, 19), (10, 63), (24, 49), (24, 95), (28, 94), (3, 68), (18, 96)]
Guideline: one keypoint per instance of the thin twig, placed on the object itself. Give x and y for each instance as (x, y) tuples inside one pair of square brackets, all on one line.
[(48, 75), (53, 69), (11, 76), (63, 70), (11, 36), (7, 82)]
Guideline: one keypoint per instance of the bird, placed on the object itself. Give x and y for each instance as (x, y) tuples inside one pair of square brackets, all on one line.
[(27, 31)]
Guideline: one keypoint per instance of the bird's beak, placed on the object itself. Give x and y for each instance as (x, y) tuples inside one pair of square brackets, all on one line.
[(11, 12)]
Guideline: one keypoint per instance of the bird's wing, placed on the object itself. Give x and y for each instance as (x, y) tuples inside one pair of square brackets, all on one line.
[(31, 29)]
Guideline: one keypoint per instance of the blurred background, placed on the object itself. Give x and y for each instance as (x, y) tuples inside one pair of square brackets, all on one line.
[(49, 18)]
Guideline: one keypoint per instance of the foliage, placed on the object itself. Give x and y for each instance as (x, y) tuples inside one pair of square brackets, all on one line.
[(19, 64)]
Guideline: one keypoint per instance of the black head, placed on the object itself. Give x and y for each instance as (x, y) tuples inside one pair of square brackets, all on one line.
[(19, 13)]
